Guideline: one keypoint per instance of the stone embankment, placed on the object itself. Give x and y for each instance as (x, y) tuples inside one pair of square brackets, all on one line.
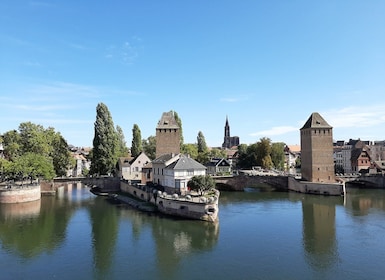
[(140, 205), (14, 193)]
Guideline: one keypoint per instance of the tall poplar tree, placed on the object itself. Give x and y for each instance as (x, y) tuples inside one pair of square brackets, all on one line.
[(104, 155), (122, 150), (202, 146), (179, 122), (149, 146), (203, 154), (136, 147)]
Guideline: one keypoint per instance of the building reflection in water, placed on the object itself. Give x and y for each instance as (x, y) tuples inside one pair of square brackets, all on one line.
[(319, 230), (174, 239), (359, 201)]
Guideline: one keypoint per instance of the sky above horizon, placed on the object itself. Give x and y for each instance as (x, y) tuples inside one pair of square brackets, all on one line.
[(267, 65)]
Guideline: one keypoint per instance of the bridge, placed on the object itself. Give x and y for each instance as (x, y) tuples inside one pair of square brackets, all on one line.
[(279, 182), (364, 181), (225, 183), (239, 182), (108, 184)]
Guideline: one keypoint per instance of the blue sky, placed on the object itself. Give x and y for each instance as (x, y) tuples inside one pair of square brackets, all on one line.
[(267, 65)]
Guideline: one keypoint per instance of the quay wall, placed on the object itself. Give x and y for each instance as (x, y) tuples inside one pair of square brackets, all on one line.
[(315, 188), (20, 194), (139, 191)]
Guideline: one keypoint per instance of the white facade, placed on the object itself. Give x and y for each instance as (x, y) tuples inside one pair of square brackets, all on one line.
[(174, 172), (132, 169)]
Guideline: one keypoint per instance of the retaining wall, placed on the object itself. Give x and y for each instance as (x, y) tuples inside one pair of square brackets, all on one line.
[(19, 194)]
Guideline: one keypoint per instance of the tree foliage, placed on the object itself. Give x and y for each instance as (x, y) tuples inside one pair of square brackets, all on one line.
[(262, 153), (190, 149), (122, 150), (202, 146), (179, 122), (201, 183), (33, 151), (149, 147), (278, 155), (136, 147), (105, 154)]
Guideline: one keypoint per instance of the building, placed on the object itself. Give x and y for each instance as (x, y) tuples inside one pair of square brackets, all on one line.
[(219, 166), (131, 168), (377, 150), (317, 163), (292, 155), (229, 141), (360, 158), (167, 135), (173, 172)]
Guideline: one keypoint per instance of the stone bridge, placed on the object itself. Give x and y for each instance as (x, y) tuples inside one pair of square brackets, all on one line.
[(238, 183), (366, 181), (107, 184)]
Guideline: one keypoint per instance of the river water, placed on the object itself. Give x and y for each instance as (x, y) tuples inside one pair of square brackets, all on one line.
[(260, 235)]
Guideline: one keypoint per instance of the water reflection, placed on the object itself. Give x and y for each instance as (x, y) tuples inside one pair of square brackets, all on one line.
[(360, 202), (115, 241), (30, 229), (319, 230), (174, 239)]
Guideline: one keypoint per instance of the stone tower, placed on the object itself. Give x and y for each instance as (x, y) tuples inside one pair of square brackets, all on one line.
[(167, 135), (317, 164)]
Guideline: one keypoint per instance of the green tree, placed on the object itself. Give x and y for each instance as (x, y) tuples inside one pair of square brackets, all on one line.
[(179, 122), (59, 152), (122, 150), (32, 166), (32, 138), (201, 183), (11, 143), (104, 155), (217, 153), (278, 155), (190, 149), (264, 153), (149, 147), (35, 139), (202, 146), (136, 147)]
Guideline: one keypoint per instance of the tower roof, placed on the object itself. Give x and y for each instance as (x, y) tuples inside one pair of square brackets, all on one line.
[(316, 121), (167, 121)]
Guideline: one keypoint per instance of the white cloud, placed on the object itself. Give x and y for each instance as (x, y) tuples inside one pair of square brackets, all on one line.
[(233, 99), (278, 130), (356, 116)]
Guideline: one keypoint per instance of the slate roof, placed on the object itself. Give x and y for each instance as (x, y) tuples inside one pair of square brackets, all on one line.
[(163, 158), (218, 161), (316, 121), (167, 121), (185, 163), (125, 161)]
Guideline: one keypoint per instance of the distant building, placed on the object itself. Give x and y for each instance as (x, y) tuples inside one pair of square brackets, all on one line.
[(218, 166), (317, 163), (292, 154), (229, 141), (82, 165), (167, 135), (131, 168), (173, 172)]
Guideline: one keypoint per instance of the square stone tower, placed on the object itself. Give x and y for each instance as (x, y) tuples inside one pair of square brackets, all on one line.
[(317, 164), (167, 135)]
